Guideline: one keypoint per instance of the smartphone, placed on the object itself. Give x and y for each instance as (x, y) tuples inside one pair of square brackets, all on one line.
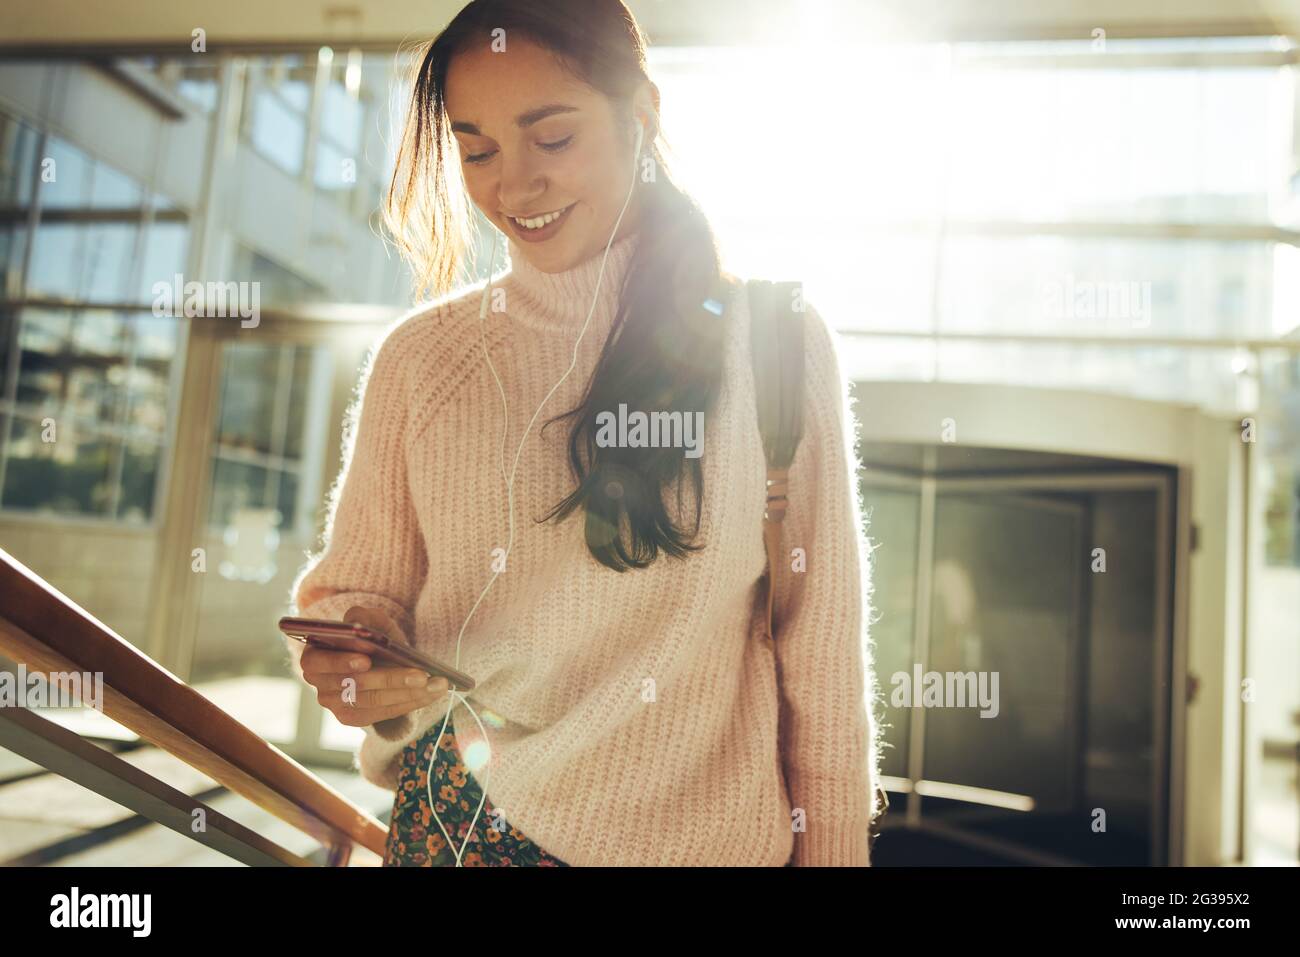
[(346, 636)]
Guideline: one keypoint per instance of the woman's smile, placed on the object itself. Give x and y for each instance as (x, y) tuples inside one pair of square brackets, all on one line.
[(538, 229)]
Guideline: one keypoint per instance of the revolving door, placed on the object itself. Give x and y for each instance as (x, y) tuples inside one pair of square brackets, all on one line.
[(1046, 580)]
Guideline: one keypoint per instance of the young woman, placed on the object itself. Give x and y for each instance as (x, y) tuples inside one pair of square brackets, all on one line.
[(608, 599)]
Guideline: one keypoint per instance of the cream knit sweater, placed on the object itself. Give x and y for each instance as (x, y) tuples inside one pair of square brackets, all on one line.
[(632, 718)]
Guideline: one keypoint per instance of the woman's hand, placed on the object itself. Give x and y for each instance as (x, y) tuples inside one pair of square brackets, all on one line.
[(359, 692)]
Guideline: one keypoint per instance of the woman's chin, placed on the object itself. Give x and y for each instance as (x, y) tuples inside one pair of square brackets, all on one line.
[(555, 257)]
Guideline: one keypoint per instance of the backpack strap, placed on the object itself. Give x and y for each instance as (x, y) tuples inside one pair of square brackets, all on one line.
[(776, 343), (776, 340)]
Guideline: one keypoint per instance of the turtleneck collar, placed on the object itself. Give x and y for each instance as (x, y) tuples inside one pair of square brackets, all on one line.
[(559, 302)]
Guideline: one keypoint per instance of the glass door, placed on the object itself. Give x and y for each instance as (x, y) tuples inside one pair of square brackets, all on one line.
[(1022, 648), (261, 471)]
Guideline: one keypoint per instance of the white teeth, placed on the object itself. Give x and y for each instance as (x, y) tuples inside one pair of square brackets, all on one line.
[(540, 221)]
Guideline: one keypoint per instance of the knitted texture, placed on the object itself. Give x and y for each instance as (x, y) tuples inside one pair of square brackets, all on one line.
[(632, 717)]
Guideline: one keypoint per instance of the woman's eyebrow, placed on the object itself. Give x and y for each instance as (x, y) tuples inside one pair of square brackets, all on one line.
[(523, 120)]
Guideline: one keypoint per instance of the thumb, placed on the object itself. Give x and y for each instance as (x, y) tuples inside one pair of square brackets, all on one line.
[(376, 620)]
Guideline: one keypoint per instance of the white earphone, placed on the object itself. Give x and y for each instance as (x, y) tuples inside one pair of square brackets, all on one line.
[(453, 694)]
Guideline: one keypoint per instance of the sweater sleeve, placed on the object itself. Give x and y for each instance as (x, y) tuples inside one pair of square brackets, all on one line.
[(374, 553), (829, 727)]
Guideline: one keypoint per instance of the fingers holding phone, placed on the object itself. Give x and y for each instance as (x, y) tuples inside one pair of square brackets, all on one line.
[(367, 674), (359, 690)]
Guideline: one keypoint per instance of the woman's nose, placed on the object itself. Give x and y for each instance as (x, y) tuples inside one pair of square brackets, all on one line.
[(521, 183)]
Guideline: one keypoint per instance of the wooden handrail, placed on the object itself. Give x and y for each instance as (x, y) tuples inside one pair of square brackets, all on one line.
[(48, 632), (71, 756)]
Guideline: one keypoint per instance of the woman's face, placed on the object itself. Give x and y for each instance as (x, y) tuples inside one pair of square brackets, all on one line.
[(534, 140)]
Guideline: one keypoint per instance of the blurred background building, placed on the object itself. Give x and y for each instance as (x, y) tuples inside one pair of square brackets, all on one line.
[(1060, 242)]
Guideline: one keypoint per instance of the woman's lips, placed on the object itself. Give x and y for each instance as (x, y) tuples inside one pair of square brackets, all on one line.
[(543, 234)]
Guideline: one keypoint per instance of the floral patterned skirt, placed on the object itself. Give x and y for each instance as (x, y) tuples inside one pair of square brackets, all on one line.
[(414, 837)]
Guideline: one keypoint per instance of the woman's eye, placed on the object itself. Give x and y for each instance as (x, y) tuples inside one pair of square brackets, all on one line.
[(477, 158)]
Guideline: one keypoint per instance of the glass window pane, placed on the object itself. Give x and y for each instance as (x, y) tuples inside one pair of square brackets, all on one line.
[(8, 334), (287, 499), (140, 466), (291, 77), (305, 360), (17, 161), (98, 372), (281, 95), (236, 486), (156, 342), (1003, 609), (277, 286), (156, 337), (199, 83), (57, 256), (341, 114), (335, 170), (71, 475), (95, 390), (165, 247), (65, 175), (278, 132), (89, 371), (13, 244), (149, 394), (895, 292), (1162, 373), (1187, 145), (1108, 286), (110, 249), (70, 365), (248, 390), (893, 516), (43, 341), (112, 188), (1279, 451), (72, 261), (99, 334)]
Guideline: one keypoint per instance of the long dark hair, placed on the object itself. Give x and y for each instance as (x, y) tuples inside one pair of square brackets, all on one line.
[(664, 348)]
